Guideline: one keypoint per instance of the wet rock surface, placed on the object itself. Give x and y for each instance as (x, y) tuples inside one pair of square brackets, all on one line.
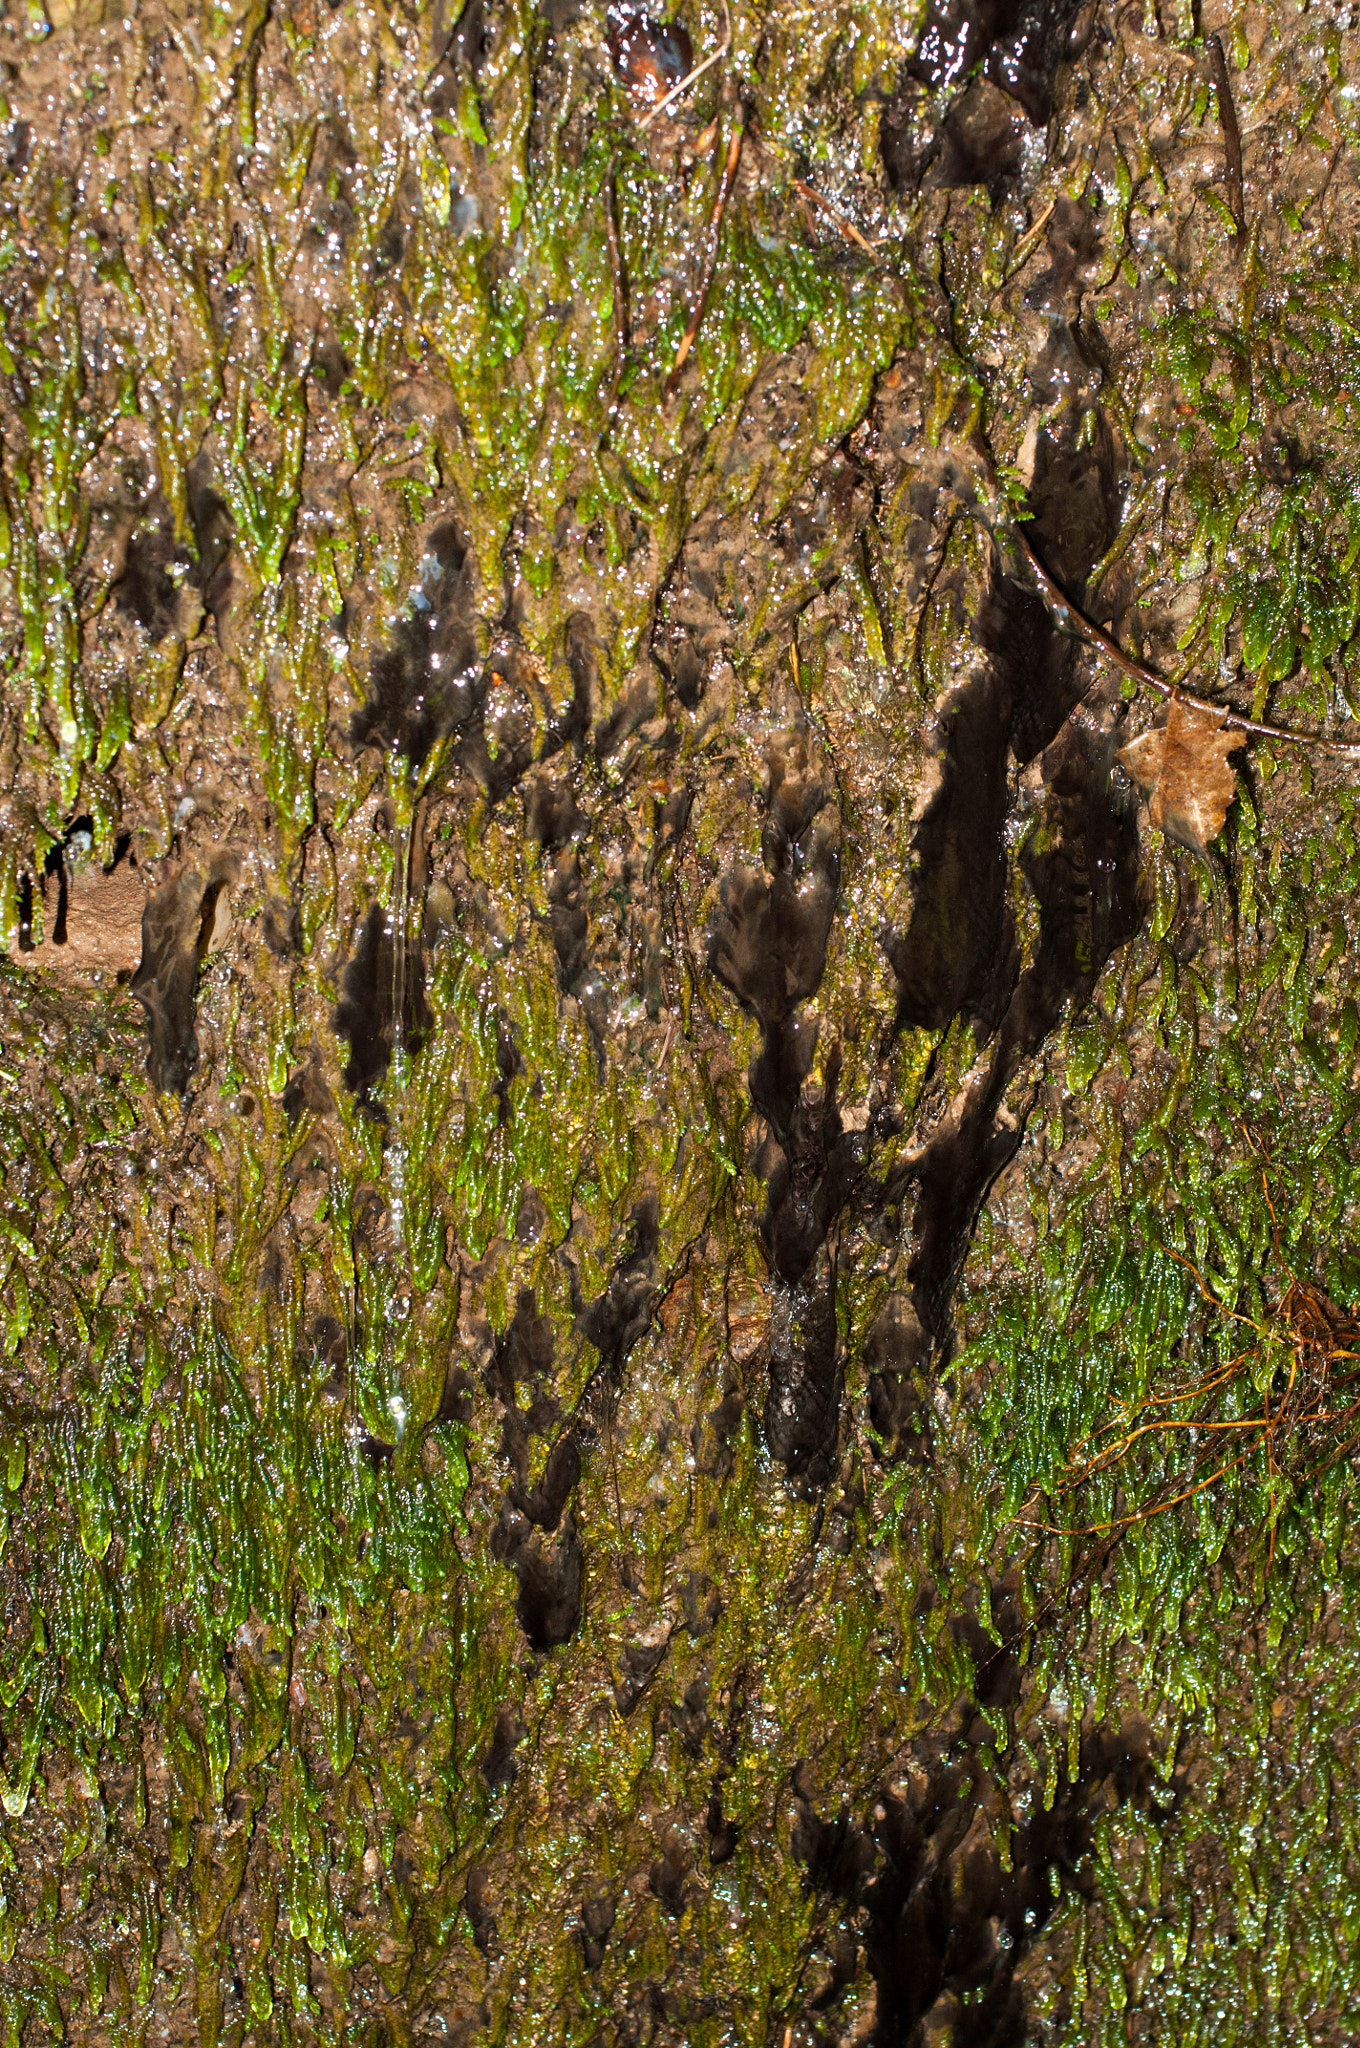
[(621, 1133)]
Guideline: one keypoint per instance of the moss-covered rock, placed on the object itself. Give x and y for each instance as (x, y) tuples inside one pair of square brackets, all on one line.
[(678, 1345)]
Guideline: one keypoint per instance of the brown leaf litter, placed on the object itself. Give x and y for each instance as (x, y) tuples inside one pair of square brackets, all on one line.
[(1183, 765)]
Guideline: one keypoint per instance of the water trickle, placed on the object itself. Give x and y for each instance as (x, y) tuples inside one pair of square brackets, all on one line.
[(398, 915), (382, 1011)]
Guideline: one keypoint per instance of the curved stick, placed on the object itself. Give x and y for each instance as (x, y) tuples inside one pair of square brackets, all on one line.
[(1096, 637)]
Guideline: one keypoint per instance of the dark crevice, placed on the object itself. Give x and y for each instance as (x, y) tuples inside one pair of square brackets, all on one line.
[(306, 1089), (177, 929), (803, 1403), (509, 1063), (498, 725), (214, 533), (960, 956), (56, 865), (548, 1601), (768, 946), (952, 1178), (367, 1012), (896, 1360), (572, 729), (809, 1161), (545, 1503), (551, 816), (959, 953), (426, 684), (498, 1765), (147, 590), (944, 1924), (1083, 868), (534, 1532), (569, 923), (618, 1317), (999, 60)]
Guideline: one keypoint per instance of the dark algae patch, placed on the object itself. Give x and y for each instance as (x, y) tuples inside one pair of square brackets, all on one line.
[(678, 1267)]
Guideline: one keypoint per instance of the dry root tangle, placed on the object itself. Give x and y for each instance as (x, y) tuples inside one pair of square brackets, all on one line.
[(1289, 1396)]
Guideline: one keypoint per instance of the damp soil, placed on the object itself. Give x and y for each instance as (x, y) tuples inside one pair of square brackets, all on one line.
[(620, 1131)]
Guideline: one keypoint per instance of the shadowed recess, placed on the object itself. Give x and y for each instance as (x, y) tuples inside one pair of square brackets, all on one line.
[(945, 1922), (958, 955), (806, 1373), (767, 944), (423, 687), (548, 1572), (615, 1320), (1016, 46), (214, 533), (1082, 864), (148, 589), (178, 929), (366, 1014), (548, 1599)]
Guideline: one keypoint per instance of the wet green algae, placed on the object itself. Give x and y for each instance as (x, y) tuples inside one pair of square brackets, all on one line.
[(181, 1486)]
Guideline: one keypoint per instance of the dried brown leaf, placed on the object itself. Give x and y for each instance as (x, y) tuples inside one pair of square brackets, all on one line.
[(1183, 765)]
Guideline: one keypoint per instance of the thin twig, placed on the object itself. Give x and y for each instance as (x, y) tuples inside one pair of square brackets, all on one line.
[(686, 82), (1211, 1300), (710, 261), (1112, 1452), (847, 227), (1232, 135), (1143, 1514), (1096, 637), (1026, 246)]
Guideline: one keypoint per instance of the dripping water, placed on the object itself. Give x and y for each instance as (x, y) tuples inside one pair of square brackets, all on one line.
[(398, 916)]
